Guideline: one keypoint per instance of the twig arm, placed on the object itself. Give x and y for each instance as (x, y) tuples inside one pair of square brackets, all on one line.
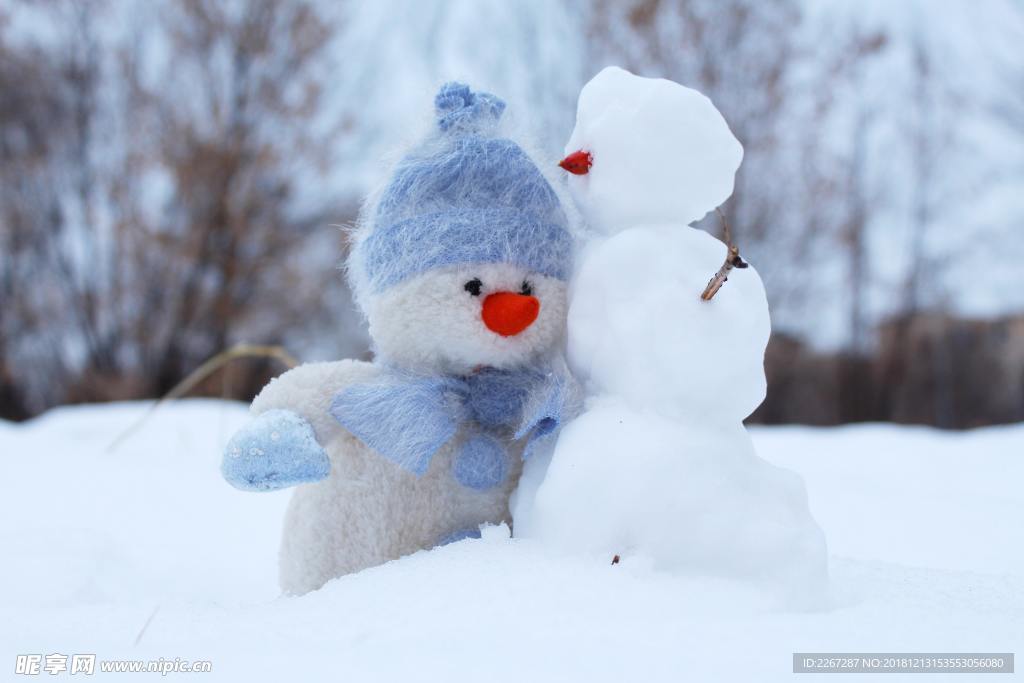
[(732, 260)]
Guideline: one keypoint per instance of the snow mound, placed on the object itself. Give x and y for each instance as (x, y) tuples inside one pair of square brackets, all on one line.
[(146, 552), (697, 502), (661, 152)]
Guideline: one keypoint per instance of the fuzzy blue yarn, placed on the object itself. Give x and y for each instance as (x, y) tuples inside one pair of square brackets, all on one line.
[(466, 197), (276, 450), (496, 397), (457, 237), (408, 418), (459, 107), (481, 463), (544, 415), (405, 420)]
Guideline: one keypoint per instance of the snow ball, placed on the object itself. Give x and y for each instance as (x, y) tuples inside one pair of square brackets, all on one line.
[(638, 328), (661, 152)]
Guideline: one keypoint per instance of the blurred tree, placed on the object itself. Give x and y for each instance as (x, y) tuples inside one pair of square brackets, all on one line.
[(745, 56), (35, 115), (233, 107), (150, 196), (168, 170)]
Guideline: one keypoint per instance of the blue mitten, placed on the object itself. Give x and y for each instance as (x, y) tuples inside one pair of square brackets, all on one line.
[(276, 450)]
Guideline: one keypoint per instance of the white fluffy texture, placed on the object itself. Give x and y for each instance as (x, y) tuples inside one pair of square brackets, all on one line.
[(431, 324), (369, 510), (659, 465), (661, 152)]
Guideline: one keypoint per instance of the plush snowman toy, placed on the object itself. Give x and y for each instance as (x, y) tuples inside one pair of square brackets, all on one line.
[(460, 266), (660, 465)]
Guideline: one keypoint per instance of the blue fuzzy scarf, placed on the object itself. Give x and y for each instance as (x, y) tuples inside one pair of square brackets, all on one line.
[(407, 418)]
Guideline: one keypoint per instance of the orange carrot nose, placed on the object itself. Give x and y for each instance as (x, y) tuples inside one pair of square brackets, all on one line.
[(508, 313)]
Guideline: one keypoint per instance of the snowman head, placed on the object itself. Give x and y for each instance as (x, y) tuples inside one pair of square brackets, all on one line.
[(463, 260), (648, 151)]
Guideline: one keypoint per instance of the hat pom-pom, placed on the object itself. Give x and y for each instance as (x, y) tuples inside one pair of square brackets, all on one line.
[(460, 109)]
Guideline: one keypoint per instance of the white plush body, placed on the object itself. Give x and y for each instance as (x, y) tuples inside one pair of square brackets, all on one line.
[(460, 264), (369, 510)]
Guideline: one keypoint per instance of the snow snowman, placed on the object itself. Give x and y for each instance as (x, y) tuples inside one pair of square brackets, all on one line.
[(659, 465), (460, 266)]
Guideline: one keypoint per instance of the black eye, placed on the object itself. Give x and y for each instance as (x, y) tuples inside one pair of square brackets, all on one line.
[(473, 286), (526, 289)]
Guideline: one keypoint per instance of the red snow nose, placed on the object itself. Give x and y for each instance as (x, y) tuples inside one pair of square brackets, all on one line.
[(508, 313), (578, 163)]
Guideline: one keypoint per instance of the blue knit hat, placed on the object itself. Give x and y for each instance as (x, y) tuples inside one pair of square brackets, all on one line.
[(465, 196)]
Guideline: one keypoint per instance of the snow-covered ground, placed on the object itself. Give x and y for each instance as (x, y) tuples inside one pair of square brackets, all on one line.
[(924, 530)]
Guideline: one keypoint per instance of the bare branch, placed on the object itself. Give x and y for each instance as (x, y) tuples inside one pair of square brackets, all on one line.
[(732, 260)]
